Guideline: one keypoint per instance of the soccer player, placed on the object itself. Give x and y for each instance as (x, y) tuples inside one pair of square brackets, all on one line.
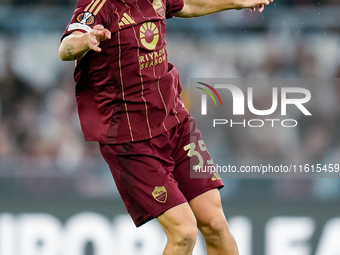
[(128, 100)]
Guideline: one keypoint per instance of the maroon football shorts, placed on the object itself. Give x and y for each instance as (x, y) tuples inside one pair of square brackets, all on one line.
[(153, 175)]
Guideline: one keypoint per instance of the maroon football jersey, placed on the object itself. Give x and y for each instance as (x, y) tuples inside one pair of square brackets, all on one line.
[(128, 91)]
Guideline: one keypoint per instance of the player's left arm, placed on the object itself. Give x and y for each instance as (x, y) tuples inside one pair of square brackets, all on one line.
[(196, 8), (77, 44)]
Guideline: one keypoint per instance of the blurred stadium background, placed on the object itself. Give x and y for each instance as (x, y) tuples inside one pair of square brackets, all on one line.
[(57, 196)]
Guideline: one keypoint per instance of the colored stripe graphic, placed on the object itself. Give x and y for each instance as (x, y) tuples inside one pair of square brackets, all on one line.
[(212, 89), (208, 92)]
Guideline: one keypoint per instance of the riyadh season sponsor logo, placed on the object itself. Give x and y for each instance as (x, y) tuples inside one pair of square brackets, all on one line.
[(242, 105)]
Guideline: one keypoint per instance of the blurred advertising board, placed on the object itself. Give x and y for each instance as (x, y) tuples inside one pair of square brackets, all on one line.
[(62, 226)]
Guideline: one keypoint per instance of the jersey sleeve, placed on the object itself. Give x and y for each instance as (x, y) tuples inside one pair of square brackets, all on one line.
[(172, 7), (86, 15)]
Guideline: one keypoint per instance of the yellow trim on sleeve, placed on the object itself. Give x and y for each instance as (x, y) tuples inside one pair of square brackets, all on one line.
[(94, 5), (99, 7), (87, 7)]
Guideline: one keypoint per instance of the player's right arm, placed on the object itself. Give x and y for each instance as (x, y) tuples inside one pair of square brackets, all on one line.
[(196, 8), (77, 44)]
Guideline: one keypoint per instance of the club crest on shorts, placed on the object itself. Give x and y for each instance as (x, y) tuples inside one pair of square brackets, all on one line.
[(160, 194)]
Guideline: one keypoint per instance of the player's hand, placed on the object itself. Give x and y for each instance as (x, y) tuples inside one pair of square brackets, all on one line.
[(260, 7), (98, 34)]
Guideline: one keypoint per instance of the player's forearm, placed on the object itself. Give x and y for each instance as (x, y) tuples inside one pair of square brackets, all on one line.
[(196, 8), (74, 46)]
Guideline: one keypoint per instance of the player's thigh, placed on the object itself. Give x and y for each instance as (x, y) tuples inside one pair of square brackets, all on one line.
[(208, 211), (179, 222)]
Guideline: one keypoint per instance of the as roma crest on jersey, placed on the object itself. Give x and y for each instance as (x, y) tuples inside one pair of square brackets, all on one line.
[(160, 194), (159, 8), (85, 18)]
